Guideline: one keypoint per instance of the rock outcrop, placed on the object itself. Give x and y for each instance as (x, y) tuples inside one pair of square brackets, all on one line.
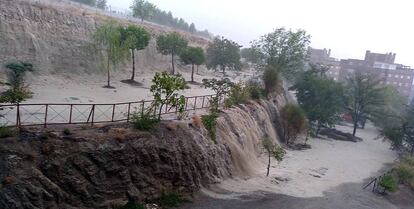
[(102, 167)]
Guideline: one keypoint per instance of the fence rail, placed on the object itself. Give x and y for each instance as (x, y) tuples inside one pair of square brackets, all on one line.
[(61, 113), (375, 183)]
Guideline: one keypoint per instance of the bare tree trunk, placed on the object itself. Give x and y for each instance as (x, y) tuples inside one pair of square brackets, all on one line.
[(192, 73), (355, 128), (197, 69), (412, 150), (172, 63), (108, 74), (268, 165), (133, 65)]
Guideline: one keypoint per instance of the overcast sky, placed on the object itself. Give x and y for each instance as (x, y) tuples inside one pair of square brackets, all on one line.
[(348, 27)]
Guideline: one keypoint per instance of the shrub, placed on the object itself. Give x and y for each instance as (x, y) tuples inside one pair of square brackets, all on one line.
[(256, 91), (15, 95), (210, 122), (293, 122), (271, 79), (404, 173), (5, 132), (238, 94), (389, 183), (67, 132), (144, 122), (131, 205), (169, 200)]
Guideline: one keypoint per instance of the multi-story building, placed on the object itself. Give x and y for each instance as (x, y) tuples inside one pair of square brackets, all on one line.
[(384, 66), (323, 57)]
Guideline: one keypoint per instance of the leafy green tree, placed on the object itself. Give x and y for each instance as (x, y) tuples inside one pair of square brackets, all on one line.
[(273, 150), (223, 54), (135, 38), (101, 4), (284, 49), (192, 28), (18, 90), (271, 79), (143, 9), (165, 89), (320, 97), (253, 55), (171, 44), (108, 39), (193, 56), (293, 122), (364, 96), (220, 87)]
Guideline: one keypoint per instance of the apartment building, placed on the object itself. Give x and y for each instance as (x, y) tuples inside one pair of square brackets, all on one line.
[(323, 57)]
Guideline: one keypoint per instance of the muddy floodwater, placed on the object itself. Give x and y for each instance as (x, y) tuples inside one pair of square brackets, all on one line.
[(346, 196)]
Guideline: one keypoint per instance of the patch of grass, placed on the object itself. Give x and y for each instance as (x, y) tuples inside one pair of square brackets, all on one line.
[(67, 132), (389, 183), (170, 200), (210, 122), (145, 122), (5, 132)]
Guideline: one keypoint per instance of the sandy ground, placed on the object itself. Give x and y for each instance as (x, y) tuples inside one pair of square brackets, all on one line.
[(72, 88), (312, 172)]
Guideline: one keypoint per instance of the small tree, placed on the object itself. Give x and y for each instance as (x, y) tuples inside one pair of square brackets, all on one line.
[(171, 44), (320, 97), (143, 9), (192, 29), (165, 89), (284, 49), (108, 38), (271, 79), (223, 54), (220, 87), (135, 38), (293, 122), (363, 96), (18, 91), (193, 56), (273, 150), (253, 55)]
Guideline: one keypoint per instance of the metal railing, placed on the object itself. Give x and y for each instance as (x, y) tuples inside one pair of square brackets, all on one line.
[(376, 182), (59, 113)]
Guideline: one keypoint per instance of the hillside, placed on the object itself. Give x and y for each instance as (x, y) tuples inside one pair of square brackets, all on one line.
[(54, 37)]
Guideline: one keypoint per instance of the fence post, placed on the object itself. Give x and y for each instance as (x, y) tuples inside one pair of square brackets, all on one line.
[(47, 107), (186, 103), (18, 115), (93, 114), (202, 104), (129, 111), (113, 112), (375, 184), (70, 113), (195, 103), (143, 107)]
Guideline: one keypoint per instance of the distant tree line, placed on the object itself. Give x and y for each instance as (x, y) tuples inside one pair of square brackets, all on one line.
[(101, 4), (148, 11)]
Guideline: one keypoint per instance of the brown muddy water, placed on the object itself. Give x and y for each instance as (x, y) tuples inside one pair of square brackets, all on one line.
[(346, 196)]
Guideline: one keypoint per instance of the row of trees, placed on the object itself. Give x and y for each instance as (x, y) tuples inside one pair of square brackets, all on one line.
[(148, 11), (101, 4), (119, 43)]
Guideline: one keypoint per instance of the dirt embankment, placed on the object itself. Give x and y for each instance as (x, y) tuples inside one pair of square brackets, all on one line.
[(54, 37), (102, 167)]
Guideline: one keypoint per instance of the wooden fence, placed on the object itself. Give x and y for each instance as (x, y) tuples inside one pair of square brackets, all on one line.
[(17, 115)]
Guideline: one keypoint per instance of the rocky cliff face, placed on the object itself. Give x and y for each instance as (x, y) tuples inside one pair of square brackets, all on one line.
[(102, 167), (54, 37)]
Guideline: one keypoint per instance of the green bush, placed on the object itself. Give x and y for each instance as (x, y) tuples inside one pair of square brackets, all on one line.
[(239, 94), (169, 200), (389, 183), (67, 132), (256, 90), (293, 122), (5, 132), (404, 173), (271, 79), (144, 122), (131, 205), (210, 122), (15, 95)]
